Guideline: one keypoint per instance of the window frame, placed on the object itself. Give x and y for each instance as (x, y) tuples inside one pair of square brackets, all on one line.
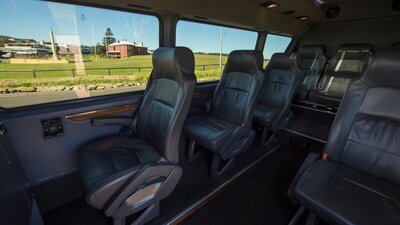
[(94, 98)]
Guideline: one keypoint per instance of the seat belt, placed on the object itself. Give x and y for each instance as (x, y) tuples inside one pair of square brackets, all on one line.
[(130, 129)]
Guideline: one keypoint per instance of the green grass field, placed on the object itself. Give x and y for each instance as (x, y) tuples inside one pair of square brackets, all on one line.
[(117, 73)]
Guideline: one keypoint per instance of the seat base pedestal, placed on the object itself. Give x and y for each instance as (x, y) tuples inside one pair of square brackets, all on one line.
[(192, 153), (297, 216), (266, 133), (150, 213), (219, 166)]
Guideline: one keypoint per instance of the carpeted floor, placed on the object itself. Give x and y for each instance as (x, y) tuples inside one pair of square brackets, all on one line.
[(259, 197), (194, 185), (312, 123)]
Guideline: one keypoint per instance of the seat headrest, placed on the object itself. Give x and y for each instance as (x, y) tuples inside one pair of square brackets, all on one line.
[(246, 61), (356, 47), (385, 69), (350, 61), (396, 45), (284, 61), (173, 63), (307, 54)]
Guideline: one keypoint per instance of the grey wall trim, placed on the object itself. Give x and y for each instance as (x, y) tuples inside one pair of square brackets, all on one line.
[(381, 33), (168, 29)]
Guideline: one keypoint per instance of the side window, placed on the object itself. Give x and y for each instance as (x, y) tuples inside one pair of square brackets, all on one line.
[(211, 45), (273, 44), (52, 52)]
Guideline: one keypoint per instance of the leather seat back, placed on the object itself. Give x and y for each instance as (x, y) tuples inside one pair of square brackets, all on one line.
[(236, 93), (347, 65), (164, 107), (366, 132), (311, 60), (280, 81)]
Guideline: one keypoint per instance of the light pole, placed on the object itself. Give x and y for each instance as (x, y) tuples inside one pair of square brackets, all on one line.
[(94, 44), (220, 50), (83, 18)]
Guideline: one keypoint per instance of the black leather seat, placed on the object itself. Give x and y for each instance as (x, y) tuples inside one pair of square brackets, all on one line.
[(311, 60), (347, 65), (280, 82), (358, 182), (126, 174), (226, 129)]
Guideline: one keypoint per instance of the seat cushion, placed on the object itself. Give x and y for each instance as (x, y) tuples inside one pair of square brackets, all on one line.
[(208, 131), (341, 195), (265, 116), (109, 158), (330, 99)]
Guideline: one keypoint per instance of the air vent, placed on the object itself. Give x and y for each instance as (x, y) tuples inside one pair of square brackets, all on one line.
[(139, 6), (289, 12), (200, 17)]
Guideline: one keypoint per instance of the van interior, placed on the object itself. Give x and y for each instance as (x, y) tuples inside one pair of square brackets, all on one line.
[(245, 112)]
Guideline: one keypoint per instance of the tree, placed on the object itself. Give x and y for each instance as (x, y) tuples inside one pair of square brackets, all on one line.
[(100, 49), (108, 37)]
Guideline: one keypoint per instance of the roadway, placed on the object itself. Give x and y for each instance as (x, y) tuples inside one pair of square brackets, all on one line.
[(11, 100)]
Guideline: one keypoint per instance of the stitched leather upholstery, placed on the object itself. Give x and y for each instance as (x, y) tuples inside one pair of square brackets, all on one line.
[(311, 60), (232, 104), (360, 182), (105, 165), (348, 65), (280, 82)]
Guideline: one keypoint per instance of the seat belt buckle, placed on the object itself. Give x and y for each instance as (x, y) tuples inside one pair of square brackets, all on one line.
[(325, 156)]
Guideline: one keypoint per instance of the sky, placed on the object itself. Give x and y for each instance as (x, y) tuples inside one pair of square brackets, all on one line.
[(32, 19)]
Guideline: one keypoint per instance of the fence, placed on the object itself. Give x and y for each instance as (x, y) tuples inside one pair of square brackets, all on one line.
[(108, 71)]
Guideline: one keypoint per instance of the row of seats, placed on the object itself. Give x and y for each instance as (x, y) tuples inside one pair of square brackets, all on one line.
[(357, 179), (226, 131), (127, 174), (325, 84), (244, 88)]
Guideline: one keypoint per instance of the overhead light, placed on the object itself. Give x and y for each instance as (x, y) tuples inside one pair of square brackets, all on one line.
[(303, 17), (270, 4)]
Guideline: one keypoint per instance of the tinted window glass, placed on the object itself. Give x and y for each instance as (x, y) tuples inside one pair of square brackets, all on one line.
[(275, 43), (52, 52), (211, 44)]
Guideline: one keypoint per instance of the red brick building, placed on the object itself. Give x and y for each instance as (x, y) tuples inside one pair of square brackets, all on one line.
[(125, 48)]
